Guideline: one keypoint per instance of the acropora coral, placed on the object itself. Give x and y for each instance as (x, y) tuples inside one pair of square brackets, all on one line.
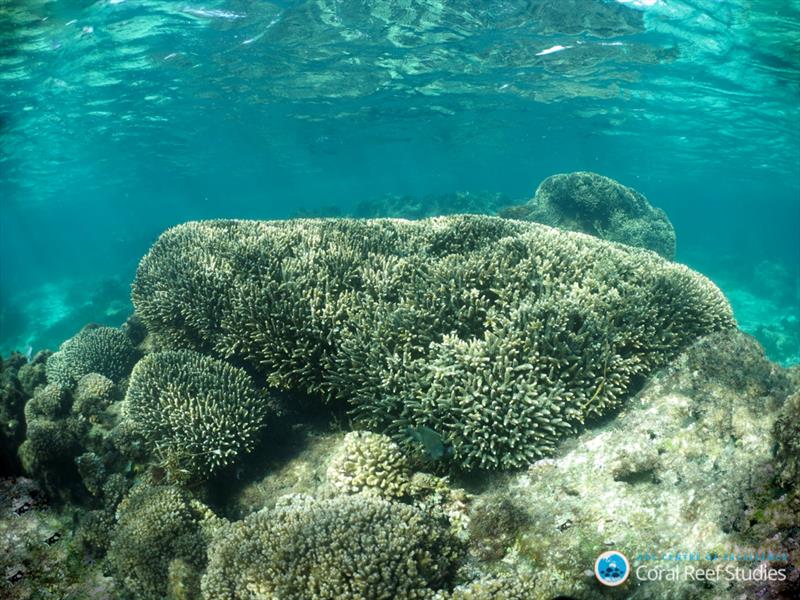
[(501, 336), (356, 546), (156, 526), (196, 413), (104, 350)]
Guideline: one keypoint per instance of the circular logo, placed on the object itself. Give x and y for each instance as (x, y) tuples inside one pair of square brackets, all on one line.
[(612, 568)]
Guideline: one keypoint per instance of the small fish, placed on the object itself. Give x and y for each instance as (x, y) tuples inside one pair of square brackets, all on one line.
[(432, 442), (16, 577), (53, 539), (23, 508), (29, 353)]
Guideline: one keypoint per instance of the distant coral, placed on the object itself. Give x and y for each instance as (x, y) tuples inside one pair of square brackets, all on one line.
[(371, 463), (156, 525), (433, 205), (104, 350), (197, 413), (347, 547), (599, 206), (500, 336)]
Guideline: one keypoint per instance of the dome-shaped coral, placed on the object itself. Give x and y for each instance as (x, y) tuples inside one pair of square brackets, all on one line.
[(93, 394), (197, 413), (104, 350), (600, 206)]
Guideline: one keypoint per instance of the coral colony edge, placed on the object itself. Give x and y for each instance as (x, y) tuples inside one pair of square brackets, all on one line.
[(466, 407)]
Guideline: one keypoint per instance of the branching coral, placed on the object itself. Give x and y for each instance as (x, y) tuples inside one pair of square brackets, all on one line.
[(93, 394), (53, 435), (103, 350), (156, 525), (370, 463), (346, 547), (197, 413), (501, 336), (599, 206)]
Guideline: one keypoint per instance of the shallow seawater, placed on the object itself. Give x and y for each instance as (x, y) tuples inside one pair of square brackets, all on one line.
[(120, 119)]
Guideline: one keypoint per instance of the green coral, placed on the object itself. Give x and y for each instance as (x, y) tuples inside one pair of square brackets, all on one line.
[(104, 350), (197, 413), (156, 526), (501, 336), (370, 463), (346, 547), (599, 206)]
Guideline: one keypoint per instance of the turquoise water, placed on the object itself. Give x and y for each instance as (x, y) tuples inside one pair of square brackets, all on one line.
[(120, 118)]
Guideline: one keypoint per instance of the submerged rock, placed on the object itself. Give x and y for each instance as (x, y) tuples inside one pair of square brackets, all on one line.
[(599, 206)]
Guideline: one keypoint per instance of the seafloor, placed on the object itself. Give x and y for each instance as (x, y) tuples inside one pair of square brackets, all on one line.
[(459, 407)]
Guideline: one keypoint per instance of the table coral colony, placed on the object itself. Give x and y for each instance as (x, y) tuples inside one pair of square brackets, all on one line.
[(501, 336)]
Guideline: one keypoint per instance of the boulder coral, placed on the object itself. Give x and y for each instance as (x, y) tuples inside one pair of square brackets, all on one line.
[(501, 336), (600, 206), (104, 350), (195, 412), (346, 547)]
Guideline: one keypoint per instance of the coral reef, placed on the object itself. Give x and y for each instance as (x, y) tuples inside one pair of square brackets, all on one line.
[(500, 588), (53, 437), (500, 336), (369, 463), (346, 547), (197, 413), (12, 404), (104, 350), (669, 474), (599, 206), (38, 559), (157, 526), (787, 436), (93, 394)]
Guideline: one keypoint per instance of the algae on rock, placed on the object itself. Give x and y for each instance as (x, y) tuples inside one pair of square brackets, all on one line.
[(671, 473)]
